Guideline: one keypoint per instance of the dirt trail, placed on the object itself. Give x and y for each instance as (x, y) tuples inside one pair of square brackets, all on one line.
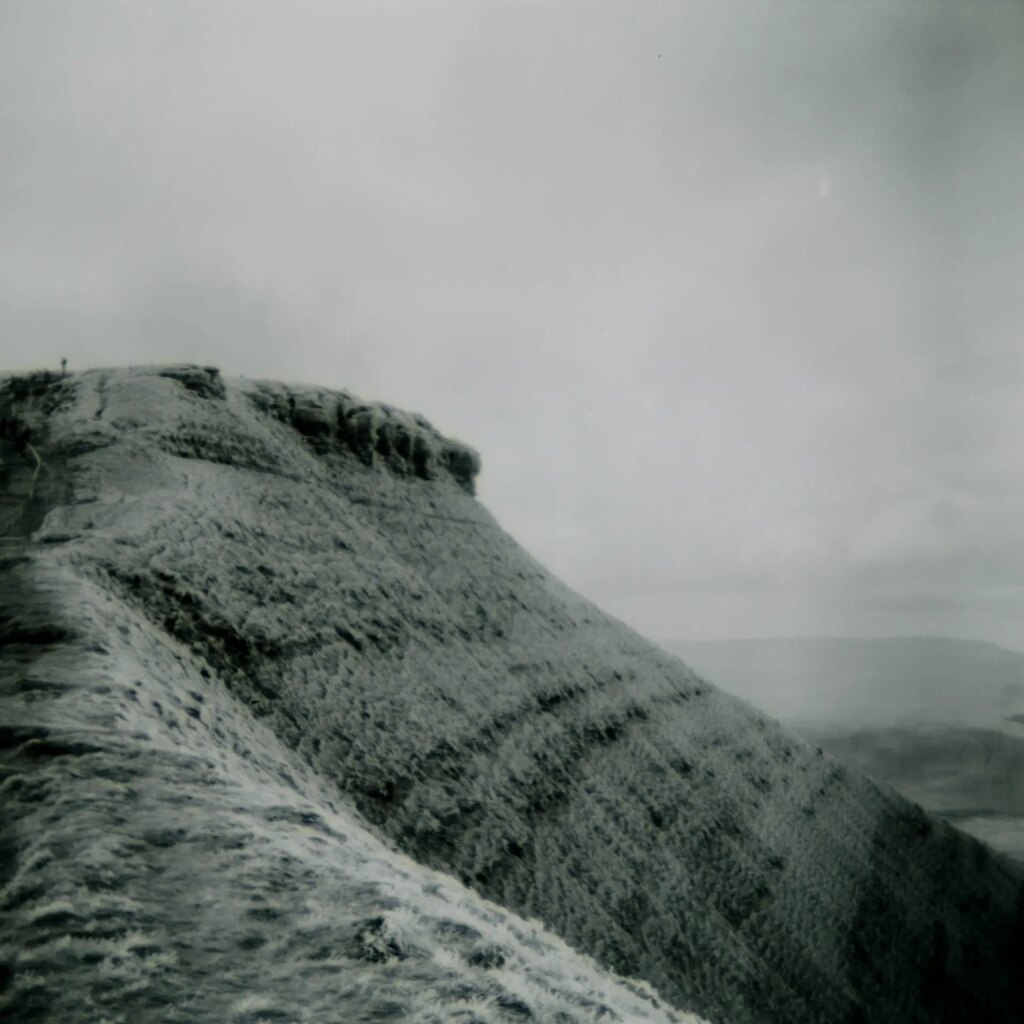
[(32, 478), (30, 484)]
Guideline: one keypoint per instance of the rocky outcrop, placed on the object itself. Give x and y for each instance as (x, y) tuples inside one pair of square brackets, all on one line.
[(376, 434), (204, 381)]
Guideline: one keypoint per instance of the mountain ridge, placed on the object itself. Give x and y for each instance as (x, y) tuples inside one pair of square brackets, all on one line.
[(839, 639), (490, 722)]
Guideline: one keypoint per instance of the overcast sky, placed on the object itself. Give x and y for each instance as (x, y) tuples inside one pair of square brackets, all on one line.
[(729, 295)]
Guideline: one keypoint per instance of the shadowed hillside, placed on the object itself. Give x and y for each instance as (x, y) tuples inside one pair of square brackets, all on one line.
[(288, 588)]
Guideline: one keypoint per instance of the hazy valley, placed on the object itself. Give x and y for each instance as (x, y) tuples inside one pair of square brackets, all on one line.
[(940, 720)]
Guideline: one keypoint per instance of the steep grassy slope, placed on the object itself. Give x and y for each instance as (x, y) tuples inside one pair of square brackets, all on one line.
[(166, 859), (326, 565)]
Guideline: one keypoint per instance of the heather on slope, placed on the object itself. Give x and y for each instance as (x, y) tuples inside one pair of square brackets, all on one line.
[(325, 561)]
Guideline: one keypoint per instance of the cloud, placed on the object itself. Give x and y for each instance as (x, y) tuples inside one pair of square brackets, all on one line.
[(727, 294)]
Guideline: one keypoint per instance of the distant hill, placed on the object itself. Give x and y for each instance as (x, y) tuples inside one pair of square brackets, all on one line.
[(286, 717), (867, 682), (942, 720)]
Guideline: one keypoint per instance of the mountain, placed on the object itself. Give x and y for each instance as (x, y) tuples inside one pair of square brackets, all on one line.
[(942, 720), (262, 646)]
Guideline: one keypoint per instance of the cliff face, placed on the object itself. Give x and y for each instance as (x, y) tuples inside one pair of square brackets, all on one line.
[(322, 583)]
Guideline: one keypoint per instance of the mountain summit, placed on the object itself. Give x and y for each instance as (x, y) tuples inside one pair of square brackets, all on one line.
[(293, 731)]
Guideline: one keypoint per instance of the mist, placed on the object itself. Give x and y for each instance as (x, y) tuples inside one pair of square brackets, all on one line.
[(727, 294)]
